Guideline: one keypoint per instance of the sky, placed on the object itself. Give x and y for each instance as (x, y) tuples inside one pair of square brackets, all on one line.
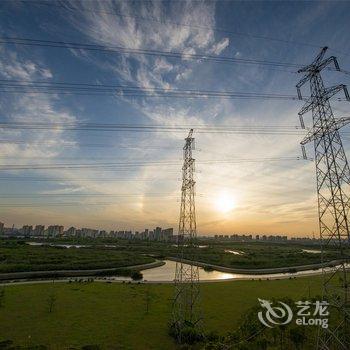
[(238, 190)]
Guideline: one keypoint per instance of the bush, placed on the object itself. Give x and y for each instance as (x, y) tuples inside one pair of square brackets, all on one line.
[(4, 344), (136, 275), (208, 268), (189, 334)]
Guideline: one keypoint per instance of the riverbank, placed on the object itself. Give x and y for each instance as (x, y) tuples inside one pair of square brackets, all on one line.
[(163, 274), (260, 271), (74, 273)]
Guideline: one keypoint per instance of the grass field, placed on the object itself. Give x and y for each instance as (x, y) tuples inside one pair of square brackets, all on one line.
[(114, 315)]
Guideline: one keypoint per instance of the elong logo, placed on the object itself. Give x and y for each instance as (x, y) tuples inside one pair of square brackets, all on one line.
[(282, 313), (274, 314)]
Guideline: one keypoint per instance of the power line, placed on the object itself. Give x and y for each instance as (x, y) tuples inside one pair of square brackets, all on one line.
[(138, 164), (126, 50), (53, 195), (69, 204), (28, 86), (97, 179), (88, 126), (75, 144)]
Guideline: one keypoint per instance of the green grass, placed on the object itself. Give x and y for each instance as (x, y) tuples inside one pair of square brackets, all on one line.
[(16, 257), (114, 315)]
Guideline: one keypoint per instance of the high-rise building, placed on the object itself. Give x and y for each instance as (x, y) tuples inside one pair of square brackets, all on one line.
[(27, 230), (157, 233), (54, 231), (102, 234), (88, 232), (39, 230), (71, 232), (167, 234)]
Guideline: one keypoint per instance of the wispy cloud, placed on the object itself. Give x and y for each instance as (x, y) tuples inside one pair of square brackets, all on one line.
[(268, 194)]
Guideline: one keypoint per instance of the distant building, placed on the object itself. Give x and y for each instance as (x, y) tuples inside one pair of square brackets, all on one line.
[(54, 231), (88, 232), (103, 234), (27, 230), (157, 233), (39, 230), (71, 232), (167, 234)]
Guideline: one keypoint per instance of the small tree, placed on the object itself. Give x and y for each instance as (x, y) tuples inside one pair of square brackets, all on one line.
[(2, 296), (136, 275), (148, 298), (51, 301)]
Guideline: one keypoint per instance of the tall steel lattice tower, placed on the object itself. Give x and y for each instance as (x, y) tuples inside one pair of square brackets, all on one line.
[(333, 189), (186, 309)]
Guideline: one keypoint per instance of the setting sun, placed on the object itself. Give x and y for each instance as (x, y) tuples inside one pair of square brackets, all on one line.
[(225, 203)]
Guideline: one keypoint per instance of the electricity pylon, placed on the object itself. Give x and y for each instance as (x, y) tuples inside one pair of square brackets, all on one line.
[(186, 310), (333, 189)]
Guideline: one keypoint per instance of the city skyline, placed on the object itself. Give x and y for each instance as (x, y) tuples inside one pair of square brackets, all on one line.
[(250, 180), (38, 230)]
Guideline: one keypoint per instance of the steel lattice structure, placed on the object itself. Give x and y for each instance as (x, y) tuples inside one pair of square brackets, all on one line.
[(186, 309), (333, 189)]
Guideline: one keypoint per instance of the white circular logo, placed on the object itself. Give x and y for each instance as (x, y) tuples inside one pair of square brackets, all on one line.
[(274, 315)]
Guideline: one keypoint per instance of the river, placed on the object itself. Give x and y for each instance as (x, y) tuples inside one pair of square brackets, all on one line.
[(166, 272)]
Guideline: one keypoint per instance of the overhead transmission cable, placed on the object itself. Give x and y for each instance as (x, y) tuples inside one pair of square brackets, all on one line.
[(137, 164), (126, 50), (89, 126), (28, 86)]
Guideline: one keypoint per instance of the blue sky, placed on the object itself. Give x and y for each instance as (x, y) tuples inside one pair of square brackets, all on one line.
[(267, 197)]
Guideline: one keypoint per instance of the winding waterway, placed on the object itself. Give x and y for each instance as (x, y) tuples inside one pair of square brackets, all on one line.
[(165, 273)]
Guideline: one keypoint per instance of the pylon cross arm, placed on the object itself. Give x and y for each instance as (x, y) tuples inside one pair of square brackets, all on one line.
[(328, 93), (314, 134), (303, 80), (331, 91), (328, 61), (307, 107)]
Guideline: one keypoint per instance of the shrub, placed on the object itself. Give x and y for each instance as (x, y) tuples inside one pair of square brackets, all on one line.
[(136, 275)]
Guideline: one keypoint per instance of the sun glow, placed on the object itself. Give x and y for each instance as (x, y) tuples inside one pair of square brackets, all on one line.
[(225, 203)]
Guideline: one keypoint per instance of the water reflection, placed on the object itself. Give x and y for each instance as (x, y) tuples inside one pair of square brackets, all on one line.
[(235, 252), (166, 273), (312, 251)]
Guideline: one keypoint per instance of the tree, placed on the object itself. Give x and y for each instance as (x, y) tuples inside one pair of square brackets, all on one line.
[(149, 296), (51, 301), (136, 275), (147, 299), (2, 296)]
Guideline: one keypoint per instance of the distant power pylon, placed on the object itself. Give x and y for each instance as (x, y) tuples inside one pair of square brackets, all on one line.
[(186, 308), (333, 189)]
